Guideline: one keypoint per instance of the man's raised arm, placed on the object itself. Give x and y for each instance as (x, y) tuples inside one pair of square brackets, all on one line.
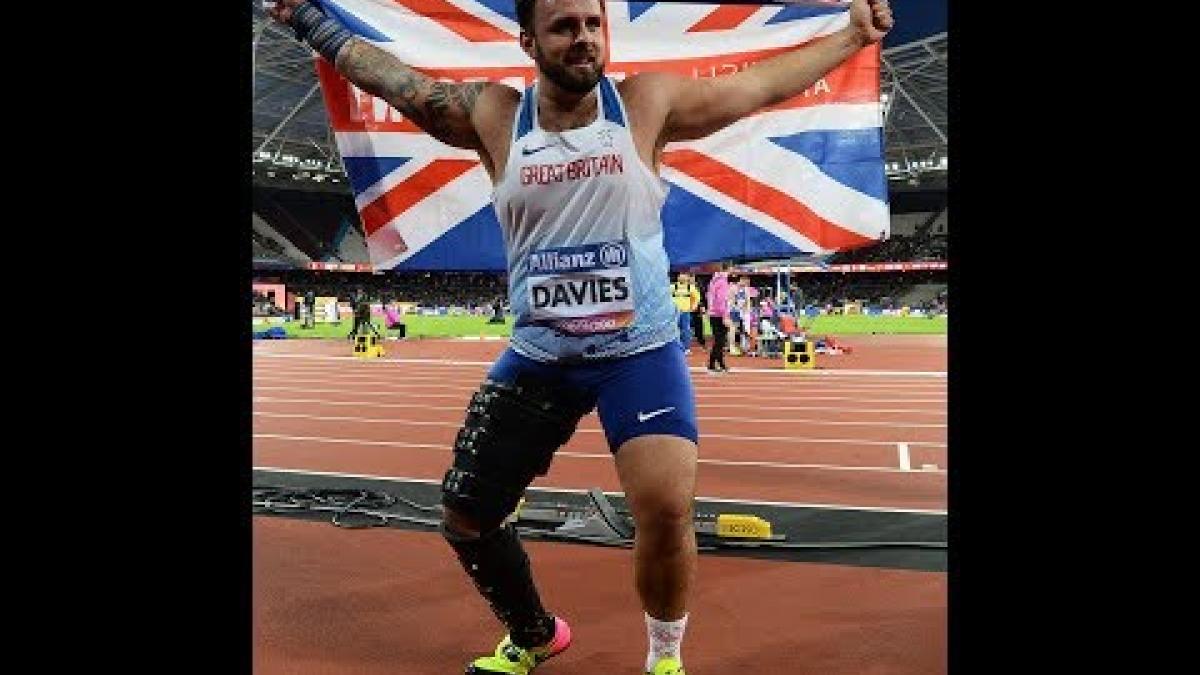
[(444, 110), (697, 108)]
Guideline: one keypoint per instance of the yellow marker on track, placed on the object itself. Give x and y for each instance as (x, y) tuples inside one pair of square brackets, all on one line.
[(743, 527)]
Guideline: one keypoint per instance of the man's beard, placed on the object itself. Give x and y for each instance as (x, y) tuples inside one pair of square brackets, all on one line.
[(569, 77)]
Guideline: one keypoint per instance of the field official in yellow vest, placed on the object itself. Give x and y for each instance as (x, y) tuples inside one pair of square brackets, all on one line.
[(687, 300)]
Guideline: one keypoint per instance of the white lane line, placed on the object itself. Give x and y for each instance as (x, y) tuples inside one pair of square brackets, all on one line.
[(462, 408), (589, 455), (406, 380), (723, 500), (700, 378), (473, 378), (905, 462), (779, 371), (374, 363), (936, 410), (707, 392), (791, 397), (788, 420), (835, 423), (737, 437), (695, 369), (367, 368), (359, 404)]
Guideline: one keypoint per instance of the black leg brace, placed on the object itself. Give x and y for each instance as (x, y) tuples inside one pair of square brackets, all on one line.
[(497, 564), (509, 438)]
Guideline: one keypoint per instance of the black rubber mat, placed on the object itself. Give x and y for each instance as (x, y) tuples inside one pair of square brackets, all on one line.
[(836, 535)]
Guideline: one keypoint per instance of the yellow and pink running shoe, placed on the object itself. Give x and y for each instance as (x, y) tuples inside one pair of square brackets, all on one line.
[(510, 659)]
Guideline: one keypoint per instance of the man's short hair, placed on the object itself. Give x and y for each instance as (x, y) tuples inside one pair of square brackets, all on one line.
[(525, 14)]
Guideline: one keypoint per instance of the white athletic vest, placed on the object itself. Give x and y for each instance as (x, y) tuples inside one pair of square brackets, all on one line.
[(580, 214)]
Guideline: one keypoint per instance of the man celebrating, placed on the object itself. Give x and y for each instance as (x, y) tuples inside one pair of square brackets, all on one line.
[(574, 160)]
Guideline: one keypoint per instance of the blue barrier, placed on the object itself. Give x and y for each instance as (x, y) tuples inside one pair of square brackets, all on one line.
[(272, 333)]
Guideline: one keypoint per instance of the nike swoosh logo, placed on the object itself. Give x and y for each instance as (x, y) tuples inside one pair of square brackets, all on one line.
[(642, 417), (527, 151)]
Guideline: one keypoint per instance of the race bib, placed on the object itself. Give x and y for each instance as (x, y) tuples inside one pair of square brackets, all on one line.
[(581, 290)]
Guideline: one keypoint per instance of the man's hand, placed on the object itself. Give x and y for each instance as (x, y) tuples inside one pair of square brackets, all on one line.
[(282, 10), (872, 19)]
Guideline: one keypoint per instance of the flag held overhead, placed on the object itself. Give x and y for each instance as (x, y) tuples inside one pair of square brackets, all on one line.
[(803, 176)]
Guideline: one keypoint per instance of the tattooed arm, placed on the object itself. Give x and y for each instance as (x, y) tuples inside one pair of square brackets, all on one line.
[(444, 110)]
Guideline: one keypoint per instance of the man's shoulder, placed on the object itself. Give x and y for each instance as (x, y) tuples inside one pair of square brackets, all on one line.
[(647, 81), (498, 98), (649, 87), (500, 93), (495, 106)]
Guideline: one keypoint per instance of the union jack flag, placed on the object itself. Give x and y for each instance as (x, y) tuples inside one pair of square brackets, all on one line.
[(802, 177)]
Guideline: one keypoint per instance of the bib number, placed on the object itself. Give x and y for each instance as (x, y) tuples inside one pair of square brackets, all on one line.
[(581, 290)]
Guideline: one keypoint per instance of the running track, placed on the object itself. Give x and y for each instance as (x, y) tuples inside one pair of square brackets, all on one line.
[(866, 430)]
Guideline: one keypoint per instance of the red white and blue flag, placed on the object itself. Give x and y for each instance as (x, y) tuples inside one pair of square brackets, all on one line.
[(802, 177)]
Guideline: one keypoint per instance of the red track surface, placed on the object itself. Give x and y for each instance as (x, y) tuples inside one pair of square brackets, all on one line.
[(329, 601), (334, 601), (827, 437)]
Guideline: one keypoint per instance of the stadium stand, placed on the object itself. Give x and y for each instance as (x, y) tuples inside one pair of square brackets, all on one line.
[(271, 250), (310, 221)]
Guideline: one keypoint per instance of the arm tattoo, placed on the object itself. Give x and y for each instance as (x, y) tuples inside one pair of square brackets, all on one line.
[(442, 109), (449, 104)]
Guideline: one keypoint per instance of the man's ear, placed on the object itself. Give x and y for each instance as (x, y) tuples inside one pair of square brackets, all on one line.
[(526, 43)]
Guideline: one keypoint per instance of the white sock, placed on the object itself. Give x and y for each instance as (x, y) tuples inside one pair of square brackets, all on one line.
[(665, 639)]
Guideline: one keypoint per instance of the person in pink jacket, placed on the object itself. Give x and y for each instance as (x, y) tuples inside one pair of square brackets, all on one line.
[(718, 318)]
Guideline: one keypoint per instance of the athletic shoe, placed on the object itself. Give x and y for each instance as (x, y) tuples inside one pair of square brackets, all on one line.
[(510, 659), (668, 665)]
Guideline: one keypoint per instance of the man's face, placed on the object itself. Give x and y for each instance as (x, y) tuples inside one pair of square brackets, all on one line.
[(567, 43)]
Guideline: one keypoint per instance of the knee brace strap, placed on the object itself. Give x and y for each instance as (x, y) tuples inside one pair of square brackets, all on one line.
[(485, 500), (509, 437), (533, 418)]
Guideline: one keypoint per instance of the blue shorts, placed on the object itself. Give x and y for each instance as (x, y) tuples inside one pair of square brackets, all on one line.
[(647, 393)]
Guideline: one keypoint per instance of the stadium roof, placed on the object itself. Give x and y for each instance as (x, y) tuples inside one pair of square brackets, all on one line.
[(291, 130)]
